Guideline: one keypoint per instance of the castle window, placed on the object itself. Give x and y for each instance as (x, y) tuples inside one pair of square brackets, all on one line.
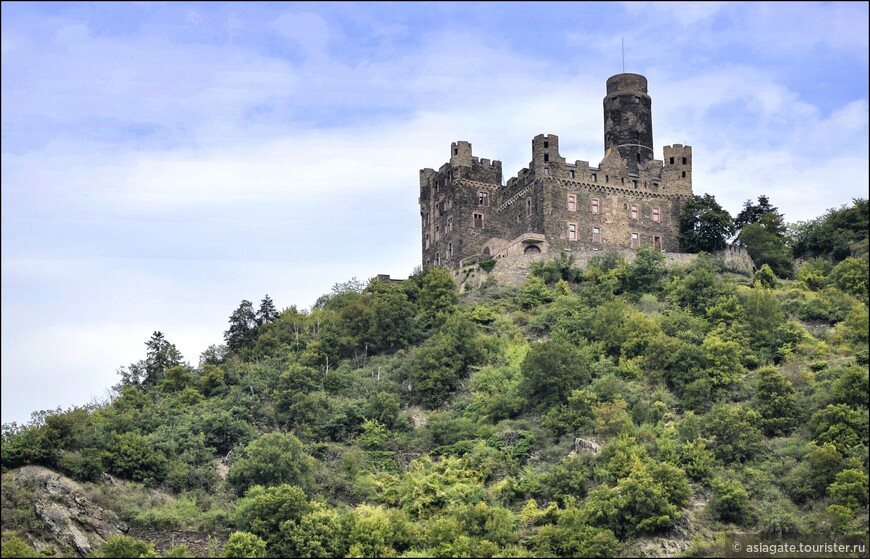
[(437, 258), (528, 207), (685, 161), (427, 240), (572, 202), (634, 184), (634, 212), (482, 198), (572, 231), (456, 152), (546, 157), (594, 177), (635, 240), (449, 251), (546, 144), (684, 174), (571, 174), (437, 233), (449, 226), (595, 205), (596, 235), (657, 242), (478, 221), (655, 215), (606, 178), (672, 160), (623, 180), (546, 172)]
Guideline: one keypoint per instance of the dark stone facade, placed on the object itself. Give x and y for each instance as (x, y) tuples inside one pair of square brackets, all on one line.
[(629, 200)]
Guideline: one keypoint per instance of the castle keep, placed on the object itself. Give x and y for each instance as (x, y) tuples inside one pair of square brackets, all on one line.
[(630, 200)]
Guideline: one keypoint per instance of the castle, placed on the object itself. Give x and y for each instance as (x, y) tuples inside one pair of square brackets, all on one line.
[(630, 200)]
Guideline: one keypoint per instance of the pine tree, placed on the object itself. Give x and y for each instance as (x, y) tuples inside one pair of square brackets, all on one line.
[(267, 312), (243, 327)]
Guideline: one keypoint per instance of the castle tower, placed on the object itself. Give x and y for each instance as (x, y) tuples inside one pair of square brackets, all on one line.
[(628, 119)]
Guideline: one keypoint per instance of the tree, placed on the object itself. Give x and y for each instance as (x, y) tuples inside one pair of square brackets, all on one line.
[(243, 327), (734, 432), (776, 402), (273, 459), (730, 502), (438, 296), (552, 369), (838, 234), (766, 248), (704, 225), (267, 312), (762, 214), (645, 273)]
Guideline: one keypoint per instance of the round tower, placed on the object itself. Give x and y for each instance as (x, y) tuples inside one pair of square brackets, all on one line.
[(628, 119)]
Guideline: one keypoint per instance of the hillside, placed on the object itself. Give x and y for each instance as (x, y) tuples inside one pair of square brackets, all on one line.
[(609, 409)]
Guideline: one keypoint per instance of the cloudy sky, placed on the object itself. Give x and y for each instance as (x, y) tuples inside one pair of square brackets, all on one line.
[(162, 161)]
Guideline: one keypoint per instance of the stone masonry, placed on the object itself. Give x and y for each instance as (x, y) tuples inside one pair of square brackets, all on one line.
[(628, 201)]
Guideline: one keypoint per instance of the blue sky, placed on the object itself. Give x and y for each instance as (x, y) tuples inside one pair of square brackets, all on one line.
[(162, 161)]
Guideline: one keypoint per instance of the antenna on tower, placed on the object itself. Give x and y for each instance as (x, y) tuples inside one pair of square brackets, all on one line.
[(623, 54)]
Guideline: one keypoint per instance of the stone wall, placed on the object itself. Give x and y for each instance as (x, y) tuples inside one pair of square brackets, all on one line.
[(513, 270)]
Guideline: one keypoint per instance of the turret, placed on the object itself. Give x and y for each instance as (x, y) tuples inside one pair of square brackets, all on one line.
[(628, 119)]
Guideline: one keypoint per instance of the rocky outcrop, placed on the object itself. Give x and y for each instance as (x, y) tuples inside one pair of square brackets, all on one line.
[(69, 518)]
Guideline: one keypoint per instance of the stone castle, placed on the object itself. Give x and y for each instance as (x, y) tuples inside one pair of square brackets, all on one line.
[(630, 200)]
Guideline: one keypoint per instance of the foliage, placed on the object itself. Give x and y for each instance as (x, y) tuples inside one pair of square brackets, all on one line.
[(730, 501), (552, 369), (243, 544), (272, 459), (765, 277), (422, 425), (767, 249), (837, 235), (125, 546), (704, 225), (444, 358)]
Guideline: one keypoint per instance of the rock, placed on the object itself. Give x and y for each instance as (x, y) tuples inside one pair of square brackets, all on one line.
[(69, 518), (585, 444)]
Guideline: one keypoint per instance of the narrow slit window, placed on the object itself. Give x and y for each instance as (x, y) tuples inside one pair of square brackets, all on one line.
[(528, 207)]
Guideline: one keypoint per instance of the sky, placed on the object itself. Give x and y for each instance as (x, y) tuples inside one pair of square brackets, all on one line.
[(163, 161)]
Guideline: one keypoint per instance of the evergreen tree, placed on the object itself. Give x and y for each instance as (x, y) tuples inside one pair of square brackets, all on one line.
[(763, 214), (243, 327), (267, 312), (161, 356)]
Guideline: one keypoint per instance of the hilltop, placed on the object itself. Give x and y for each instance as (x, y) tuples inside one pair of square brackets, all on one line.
[(611, 408)]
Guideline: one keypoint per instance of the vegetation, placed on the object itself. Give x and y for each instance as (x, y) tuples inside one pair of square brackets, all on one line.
[(578, 414)]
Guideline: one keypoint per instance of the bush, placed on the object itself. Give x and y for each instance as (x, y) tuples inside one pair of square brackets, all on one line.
[(125, 546), (273, 459), (730, 502), (243, 544)]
